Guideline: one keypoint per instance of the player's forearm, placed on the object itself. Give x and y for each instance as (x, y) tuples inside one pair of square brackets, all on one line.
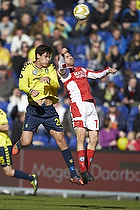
[(62, 66), (98, 74)]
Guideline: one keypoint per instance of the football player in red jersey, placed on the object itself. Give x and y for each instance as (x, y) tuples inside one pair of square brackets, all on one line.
[(84, 115)]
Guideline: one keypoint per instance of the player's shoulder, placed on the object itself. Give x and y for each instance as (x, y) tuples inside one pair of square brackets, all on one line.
[(51, 67), (27, 65), (80, 68), (3, 117), (2, 112)]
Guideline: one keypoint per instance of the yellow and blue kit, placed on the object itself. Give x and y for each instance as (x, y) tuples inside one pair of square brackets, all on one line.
[(35, 115), (30, 80), (5, 143)]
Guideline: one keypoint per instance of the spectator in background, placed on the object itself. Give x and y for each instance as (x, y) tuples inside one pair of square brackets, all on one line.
[(97, 59), (93, 37), (23, 8), (17, 99), (116, 39), (6, 28), (115, 59), (34, 5), (31, 53), (111, 93), (56, 36), (79, 32), (25, 23), (117, 117), (133, 143), (136, 122), (63, 7), (108, 136), (130, 19), (5, 58), (131, 92), (62, 25), (134, 48), (98, 89), (7, 83), (20, 59), (6, 8), (98, 19), (17, 41), (115, 13), (57, 42), (42, 25)]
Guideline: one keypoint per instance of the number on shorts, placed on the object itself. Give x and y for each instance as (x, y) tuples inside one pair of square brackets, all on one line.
[(96, 121), (58, 123), (1, 160)]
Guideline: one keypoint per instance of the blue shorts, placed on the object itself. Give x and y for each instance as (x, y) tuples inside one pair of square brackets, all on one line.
[(47, 116), (5, 156)]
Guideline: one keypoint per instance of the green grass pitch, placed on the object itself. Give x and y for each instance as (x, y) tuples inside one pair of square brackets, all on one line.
[(22, 202)]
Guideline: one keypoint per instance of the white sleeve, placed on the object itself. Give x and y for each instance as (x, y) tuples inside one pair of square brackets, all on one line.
[(14, 44), (98, 74), (61, 66)]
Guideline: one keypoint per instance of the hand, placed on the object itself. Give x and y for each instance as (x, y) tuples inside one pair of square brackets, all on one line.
[(131, 147), (63, 51), (113, 143), (112, 70), (34, 93), (94, 26), (45, 79)]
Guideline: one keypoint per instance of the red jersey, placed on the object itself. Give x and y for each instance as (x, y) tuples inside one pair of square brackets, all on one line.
[(75, 79)]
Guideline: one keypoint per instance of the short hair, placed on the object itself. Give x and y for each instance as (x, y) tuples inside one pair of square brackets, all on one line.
[(42, 49), (106, 122)]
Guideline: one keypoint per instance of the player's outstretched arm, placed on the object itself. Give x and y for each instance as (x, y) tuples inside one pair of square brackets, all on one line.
[(112, 70), (62, 64)]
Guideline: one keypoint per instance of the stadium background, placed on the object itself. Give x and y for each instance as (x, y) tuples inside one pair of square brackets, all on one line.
[(120, 175)]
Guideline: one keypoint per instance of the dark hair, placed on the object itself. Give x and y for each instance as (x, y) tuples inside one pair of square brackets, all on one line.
[(42, 49), (1, 42), (106, 122)]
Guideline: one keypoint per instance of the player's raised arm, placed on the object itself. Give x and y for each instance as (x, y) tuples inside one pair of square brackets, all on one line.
[(62, 63), (101, 74)]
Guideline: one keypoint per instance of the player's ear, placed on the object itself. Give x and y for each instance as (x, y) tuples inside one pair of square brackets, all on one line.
[(38, 56)]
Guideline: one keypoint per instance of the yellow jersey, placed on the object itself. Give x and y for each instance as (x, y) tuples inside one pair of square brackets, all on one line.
[(30, 80), (4, 138), (31, 54), (5, 57)]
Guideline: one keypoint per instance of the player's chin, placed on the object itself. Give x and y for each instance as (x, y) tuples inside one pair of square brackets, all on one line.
[(72, 63), (45, 65)]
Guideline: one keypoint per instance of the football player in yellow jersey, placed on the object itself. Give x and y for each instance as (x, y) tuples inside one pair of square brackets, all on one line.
[(6, 151), (39, 80)]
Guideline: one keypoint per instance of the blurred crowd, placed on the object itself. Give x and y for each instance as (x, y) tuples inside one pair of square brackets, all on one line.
[(109, 37)]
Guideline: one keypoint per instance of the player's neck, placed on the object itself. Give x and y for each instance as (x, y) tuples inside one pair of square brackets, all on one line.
[(38, 65)]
